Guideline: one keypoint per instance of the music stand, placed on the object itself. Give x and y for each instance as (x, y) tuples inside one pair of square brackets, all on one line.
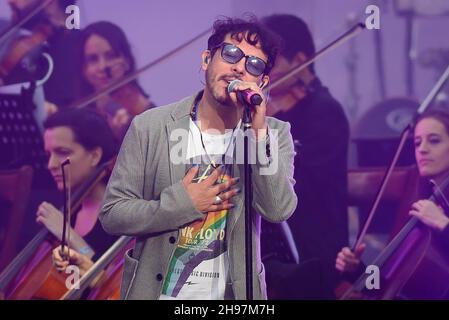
[(21, 140)]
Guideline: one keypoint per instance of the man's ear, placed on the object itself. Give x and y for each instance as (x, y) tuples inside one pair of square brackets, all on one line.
[(205, 59), (264, 82)]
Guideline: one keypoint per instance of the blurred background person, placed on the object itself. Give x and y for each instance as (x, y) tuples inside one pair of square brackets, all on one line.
[(431, 139), (106, 57), (319, 125), (21, 57), (68, 134)]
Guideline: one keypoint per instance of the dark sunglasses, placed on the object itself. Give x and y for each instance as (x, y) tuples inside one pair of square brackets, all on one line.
[(233, 54)]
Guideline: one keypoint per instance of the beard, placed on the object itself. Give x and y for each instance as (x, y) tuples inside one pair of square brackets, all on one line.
[(217, 93), (220, 95)]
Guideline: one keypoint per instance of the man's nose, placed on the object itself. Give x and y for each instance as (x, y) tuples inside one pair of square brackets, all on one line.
[(239, 67)]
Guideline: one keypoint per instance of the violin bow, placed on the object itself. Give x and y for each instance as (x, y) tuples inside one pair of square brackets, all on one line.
[(13, 28), (67, 208), (125, 80), (404, 135)]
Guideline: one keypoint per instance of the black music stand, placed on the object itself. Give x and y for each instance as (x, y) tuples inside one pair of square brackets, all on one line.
[(21, 140), (21, 143)]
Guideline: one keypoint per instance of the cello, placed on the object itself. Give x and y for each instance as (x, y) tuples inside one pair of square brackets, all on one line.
[(410, 262), (31, 274), (105, 285), (414, 265), (21, 279)]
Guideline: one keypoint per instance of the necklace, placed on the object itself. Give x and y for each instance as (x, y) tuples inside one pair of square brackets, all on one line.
[(194, 115)]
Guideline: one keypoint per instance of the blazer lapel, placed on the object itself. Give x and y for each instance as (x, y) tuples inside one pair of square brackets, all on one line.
[(236, 200), (177, 137)]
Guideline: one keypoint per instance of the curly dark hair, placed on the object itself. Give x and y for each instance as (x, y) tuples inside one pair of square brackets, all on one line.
[(251, 30), (294, 33), (89, 129)]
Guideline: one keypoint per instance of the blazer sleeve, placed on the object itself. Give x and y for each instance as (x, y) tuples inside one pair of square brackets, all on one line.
[(274, 195)]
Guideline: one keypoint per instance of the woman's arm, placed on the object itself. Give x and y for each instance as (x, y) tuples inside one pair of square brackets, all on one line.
[(53, 219)]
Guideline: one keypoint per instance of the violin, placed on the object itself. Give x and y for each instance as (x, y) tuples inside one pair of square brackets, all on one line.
[(23, 47), (131, 98), (122, 105), (31, 275), (363, 183), (129, 79), (414, 265)]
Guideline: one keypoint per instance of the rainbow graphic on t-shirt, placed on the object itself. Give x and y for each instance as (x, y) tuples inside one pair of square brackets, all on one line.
[(201, 240)]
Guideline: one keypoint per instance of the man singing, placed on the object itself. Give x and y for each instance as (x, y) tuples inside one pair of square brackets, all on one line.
[(177, 181)]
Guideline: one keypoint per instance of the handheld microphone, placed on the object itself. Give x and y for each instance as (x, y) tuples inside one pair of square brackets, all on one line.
[(245, 96)]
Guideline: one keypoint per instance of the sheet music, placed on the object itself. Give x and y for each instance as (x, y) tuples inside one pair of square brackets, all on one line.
[(38, 100)]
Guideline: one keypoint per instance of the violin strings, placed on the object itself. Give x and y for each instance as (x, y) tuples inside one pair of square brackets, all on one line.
[(440, 192)]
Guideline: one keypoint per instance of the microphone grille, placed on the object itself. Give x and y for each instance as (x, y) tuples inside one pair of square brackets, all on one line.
[(233, 84)]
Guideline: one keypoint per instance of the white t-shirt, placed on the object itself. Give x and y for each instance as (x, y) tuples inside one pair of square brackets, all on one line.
[(199, 266)]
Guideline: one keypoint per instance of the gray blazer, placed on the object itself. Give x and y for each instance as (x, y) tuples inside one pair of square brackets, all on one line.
[(145, 198)]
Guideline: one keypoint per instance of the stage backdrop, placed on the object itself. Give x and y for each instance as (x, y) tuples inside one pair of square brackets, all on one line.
[(157, 26)]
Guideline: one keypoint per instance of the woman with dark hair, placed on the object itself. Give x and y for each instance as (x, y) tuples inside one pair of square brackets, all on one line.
[(431, 136), (106, 57), (68, 134)]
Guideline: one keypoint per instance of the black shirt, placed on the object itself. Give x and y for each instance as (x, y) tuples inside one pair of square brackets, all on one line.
[(60, 88), (63, 47), (97, 238), (319, 224)]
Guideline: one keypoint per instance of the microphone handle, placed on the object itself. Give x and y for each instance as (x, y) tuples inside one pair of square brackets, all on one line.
[(241, 97), (249, 97)]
